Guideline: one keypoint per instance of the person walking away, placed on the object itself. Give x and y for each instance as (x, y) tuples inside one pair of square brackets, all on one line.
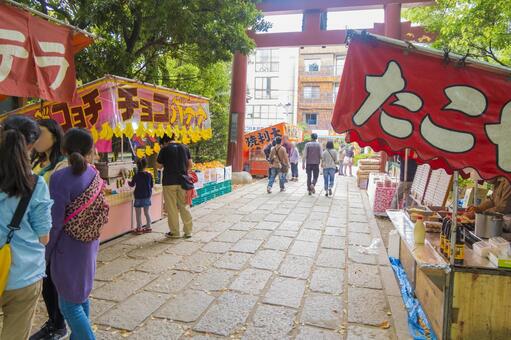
[(47, 159), (267, 151), (311, 160), (176, 162), (78, 214), (348, 160), (25, 210), (404, 187), (342, 154), (279, 165), (329, 163), (294, 157), (143, 183)]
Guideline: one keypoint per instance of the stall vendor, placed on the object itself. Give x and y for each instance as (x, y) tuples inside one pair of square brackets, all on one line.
[(500, 199)]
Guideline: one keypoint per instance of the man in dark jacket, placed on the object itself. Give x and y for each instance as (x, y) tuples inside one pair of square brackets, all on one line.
[(311, 160)]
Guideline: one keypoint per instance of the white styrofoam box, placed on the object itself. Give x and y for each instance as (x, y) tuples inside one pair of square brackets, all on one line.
[(200, 180), (228, 173), (220, 174), (394, 241), (207, 175), (212, 175)]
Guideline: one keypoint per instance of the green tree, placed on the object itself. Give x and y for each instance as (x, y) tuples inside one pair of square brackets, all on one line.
[(480, 28), (135, 34)]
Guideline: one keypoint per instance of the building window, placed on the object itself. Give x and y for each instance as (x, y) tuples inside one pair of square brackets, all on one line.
[(336, 91), (264, 89), (339, 64), (267, 60), (311, 119), (312, 65), (262, 111), (311, 92)]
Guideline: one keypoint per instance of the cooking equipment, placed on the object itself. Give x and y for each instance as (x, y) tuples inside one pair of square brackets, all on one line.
[(489, 225)]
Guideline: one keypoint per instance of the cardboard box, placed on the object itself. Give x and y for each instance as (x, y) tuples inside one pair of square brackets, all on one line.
[(499, 261)]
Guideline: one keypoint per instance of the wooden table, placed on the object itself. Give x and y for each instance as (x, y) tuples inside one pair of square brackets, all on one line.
[(472, 301)]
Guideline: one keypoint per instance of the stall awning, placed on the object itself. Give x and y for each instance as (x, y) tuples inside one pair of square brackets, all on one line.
[(453, 112), (37, 55)]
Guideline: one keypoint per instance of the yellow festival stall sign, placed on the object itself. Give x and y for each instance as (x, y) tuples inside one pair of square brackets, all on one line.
[(115, 106)]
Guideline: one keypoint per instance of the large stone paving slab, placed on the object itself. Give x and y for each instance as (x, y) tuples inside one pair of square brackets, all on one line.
[(313, 333), (229, 313), (332, 258), (333, 242), (278, 243), (327, 280), (171, 282), (188, 306), (213, 280), (184, 248), (296, 267), (119, 266), (285, 292), (332, 231), (161, 263), (356, 332), (251, 281), (123, 287), (363, 275), (234, 261), (267, 259), (247, 246), (130, 313), (198, 262), (231, 236), (309, 235), (158, 329), (360, 239), (270, 322), (323, 311), (362, 312), (304, 248), (291, 225), (217, 247), (357, 256)]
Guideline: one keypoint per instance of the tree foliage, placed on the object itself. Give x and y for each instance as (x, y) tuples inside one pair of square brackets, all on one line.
[(480, 28), (182, 44)]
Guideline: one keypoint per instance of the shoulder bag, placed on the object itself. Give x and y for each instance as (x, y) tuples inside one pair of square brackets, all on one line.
[(333, 159), (5, 251), (283, 167)]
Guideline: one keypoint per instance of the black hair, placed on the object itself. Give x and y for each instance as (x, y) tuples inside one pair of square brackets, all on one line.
[(141, 164), (56, 150), (314, 136), (278, 140), (166, 138), (77, 145), (329, 144), (274, 142), (17, 133)]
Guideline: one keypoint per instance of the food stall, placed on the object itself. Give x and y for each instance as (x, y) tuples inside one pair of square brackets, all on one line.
[(254, 159), (134, 115), (455, 114)]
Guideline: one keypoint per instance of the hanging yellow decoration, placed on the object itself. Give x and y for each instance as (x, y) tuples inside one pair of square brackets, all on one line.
[(128, 130), (195, 134), (94, 133), (160, 131), (157, 148), (141, 131), (151, 132), (149, 150), (106, 132), (168, 131), (117, 131), (140, 153)]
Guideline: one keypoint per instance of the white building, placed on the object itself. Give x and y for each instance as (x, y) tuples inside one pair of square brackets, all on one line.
[(272, 79)]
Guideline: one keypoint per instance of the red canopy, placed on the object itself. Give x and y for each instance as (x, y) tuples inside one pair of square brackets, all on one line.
[(37, 56), (451, 113)]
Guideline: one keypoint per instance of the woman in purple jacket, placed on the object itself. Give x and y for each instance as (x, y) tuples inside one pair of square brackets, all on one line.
[(73, 262)]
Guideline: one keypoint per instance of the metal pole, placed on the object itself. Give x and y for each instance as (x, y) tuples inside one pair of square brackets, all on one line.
[(454, 216), (405, 178)]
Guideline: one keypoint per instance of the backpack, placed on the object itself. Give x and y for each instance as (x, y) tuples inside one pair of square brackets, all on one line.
[(267, 151)]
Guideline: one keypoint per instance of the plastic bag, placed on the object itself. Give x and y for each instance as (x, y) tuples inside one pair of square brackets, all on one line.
[(372, 249)]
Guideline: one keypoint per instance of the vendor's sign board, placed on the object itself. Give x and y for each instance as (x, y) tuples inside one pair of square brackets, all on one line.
[(116, 106), (36, 56), (392, 98), (261, 138)]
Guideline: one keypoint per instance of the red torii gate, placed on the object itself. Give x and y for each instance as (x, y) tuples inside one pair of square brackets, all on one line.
[(311, 34)]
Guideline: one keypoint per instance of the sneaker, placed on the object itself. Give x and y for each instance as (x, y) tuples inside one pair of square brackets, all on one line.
[(330, 192), (326, 193), (268, 190), (146, 230), (312, 189), (282, 189), (188, 236), (57, 334), (47, 332), (170, 235)]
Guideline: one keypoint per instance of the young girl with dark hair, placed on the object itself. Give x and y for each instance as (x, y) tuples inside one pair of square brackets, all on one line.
[(143, 183), (329, 162), (17, 184), (78, 214), (48, 158)]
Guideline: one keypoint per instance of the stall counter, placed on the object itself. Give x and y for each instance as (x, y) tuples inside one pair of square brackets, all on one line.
[(121, 217), (472, 301)]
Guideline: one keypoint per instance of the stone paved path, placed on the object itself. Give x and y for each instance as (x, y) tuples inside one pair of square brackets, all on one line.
[(259, 266)]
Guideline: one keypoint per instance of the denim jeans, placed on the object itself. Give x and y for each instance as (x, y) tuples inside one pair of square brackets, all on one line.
[(329, 177), (77, 317), (312, 174), (294, 170), (273, 175)]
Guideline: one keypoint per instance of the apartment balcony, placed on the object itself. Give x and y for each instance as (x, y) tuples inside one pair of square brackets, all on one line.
[(323, 101), (327, 71)]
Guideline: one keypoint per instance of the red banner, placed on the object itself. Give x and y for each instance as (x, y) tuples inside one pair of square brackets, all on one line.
[(452, 116), (36, 57)]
